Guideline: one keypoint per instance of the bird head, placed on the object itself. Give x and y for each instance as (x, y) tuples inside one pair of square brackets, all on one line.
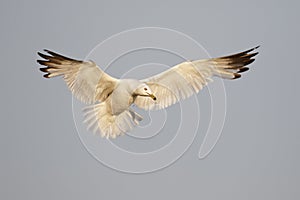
[(145, 91)]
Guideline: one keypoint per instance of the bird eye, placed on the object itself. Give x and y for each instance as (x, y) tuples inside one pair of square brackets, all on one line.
[(145, 89)]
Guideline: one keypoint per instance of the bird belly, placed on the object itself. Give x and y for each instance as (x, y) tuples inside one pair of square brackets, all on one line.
[(119, 102)]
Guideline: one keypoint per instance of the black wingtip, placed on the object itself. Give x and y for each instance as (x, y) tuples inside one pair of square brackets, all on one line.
[(253, 48), (46, 75), (253, 54), (45, 69), (47, 57), (40, 54), (250, 50), (243, 69), (41, 62), (57, 56), (242, 54), (248, 62), (52, 53), (236, 76)]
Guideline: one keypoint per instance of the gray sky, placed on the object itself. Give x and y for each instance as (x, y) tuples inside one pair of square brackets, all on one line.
[(257, 155)]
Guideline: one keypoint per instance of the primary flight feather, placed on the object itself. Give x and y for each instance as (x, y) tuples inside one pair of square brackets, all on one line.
[(110, 114)]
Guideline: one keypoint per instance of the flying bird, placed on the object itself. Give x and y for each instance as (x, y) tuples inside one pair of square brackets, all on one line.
[(110, 99)]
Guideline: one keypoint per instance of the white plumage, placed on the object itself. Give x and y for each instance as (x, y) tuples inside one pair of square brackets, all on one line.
[(110, 114)]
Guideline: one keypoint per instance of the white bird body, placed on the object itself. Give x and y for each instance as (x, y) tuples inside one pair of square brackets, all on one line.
[(121, 97), (110, 98)]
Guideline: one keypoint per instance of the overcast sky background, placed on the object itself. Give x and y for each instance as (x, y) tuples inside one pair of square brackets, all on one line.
[(257, 156)]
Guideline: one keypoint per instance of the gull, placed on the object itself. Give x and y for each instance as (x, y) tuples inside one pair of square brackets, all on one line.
[(110, 113)]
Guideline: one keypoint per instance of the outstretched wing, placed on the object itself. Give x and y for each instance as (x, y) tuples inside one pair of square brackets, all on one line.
[(85, 79), (188, 78)]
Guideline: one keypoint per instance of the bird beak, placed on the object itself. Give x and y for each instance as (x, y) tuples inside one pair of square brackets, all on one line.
[(152, 96)]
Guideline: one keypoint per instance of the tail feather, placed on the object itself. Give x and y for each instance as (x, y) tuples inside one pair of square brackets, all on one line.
[(100, 120)]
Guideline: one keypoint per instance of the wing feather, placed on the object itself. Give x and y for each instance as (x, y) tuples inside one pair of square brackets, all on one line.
[(85, 79), (188, 78)]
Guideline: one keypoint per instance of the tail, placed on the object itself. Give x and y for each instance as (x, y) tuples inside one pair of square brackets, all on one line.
[(231, 67), (99, 119)]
